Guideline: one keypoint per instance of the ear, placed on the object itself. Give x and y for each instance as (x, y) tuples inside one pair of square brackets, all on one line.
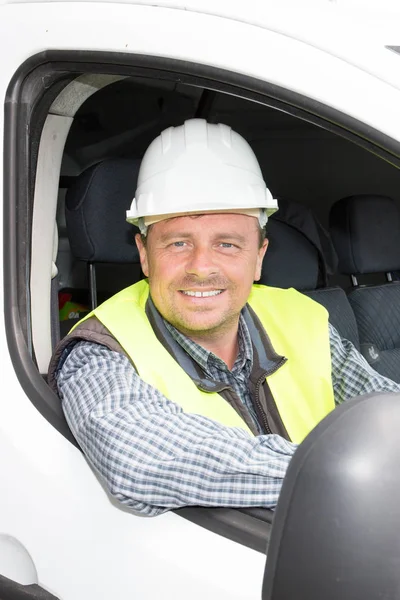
[(260, 257), (142, 254)]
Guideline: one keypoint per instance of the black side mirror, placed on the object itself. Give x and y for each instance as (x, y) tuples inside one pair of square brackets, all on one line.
[(336, 531)]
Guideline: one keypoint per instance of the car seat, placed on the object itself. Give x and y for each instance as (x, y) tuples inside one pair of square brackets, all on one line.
[(365, 230), (300, 255), (98, 233)]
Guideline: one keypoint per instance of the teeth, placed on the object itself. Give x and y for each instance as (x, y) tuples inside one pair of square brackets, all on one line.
[(202, 294)]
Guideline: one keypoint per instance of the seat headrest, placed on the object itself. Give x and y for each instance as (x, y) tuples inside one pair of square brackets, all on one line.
[(300, 253), (291, 260), (95, 208), (365, 230)]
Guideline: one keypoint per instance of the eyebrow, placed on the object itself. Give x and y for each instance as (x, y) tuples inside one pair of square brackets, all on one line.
[(165, 237)]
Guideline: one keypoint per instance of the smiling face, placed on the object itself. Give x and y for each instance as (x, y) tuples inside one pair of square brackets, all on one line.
[(201, 269)]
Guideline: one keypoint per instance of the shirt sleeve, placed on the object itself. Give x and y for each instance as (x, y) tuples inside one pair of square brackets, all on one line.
[(351, 374), (152, 455)]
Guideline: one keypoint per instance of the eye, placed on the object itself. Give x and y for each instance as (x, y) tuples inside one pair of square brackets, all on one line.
[(178, 244), (228, 246)]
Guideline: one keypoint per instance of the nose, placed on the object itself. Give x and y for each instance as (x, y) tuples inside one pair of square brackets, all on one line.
[(201, 263)]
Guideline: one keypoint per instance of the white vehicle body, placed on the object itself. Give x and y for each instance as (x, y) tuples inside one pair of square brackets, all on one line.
[(58, 526)]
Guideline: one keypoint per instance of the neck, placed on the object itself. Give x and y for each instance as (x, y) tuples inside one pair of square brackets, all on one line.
[(224, 345)]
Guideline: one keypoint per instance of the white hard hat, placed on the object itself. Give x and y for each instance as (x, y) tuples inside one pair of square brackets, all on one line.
[(199, 167)]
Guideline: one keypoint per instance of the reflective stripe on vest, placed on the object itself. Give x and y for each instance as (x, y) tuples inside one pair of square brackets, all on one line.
[(297, 327)]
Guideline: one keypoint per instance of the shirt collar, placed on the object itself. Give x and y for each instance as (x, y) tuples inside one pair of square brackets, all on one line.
[(206, 358)]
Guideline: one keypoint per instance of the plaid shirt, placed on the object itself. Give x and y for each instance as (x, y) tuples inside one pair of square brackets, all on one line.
[(155, 457), (215, 367)]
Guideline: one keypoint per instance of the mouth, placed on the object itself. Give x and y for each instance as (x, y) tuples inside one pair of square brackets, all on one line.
[(201, 294)]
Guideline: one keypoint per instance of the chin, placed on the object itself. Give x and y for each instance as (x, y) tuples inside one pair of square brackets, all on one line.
[(199, 325), (202, 325)]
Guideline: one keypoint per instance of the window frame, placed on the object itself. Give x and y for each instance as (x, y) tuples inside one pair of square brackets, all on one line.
[(30, 94)]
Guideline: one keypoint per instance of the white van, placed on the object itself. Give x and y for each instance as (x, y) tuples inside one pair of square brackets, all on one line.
[(314, 87)]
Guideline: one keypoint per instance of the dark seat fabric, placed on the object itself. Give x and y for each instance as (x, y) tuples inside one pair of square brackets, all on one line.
[(95, 210), (300, 255), (303, 224), (341, 314), (291, 260), (365, 230), (377, 311), (97, 230)]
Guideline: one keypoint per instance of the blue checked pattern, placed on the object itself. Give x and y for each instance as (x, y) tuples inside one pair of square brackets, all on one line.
[(154, 457)]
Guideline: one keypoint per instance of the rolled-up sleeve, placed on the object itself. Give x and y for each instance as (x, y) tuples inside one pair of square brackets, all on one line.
[(152, 455)]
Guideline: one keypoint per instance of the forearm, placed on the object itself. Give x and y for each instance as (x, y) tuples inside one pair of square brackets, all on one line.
[(154, 457), (158, 465)]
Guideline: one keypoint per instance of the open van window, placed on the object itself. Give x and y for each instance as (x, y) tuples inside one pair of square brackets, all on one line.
[(84, 119)]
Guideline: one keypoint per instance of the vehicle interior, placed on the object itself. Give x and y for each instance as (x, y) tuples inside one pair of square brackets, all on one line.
[(335, 198), (335, 237)]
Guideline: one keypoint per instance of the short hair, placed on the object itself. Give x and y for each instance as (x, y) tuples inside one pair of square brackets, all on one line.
[(262, 234)]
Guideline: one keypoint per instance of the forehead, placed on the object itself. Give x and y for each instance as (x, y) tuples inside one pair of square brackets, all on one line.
[(215, 223)]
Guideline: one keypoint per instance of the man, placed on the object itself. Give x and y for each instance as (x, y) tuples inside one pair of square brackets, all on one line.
[(195, 386)]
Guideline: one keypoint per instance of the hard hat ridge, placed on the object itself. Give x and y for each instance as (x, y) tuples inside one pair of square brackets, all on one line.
[(199, 167)]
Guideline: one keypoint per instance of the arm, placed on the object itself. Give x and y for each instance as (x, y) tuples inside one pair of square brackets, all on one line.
[(351, 374), (152, 455)]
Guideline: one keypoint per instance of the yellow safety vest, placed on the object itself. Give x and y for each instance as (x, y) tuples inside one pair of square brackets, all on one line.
[(297, 327)]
